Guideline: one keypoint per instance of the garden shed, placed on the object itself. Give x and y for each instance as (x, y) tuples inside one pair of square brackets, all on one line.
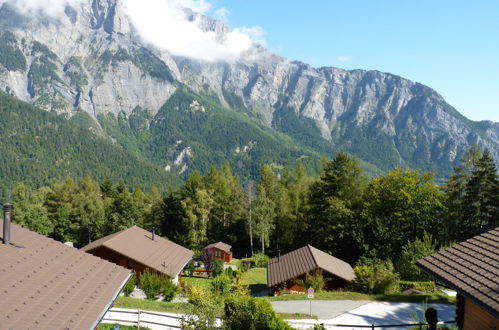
[(138, 249), (472, 269), (286, 272)]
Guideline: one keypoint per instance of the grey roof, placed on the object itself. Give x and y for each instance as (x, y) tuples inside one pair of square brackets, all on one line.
[(45, 284), (136, 243), (221, 246), (471, 268), (304, 260)]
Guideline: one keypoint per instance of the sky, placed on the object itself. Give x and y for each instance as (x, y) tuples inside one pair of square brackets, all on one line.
[(450, 46)]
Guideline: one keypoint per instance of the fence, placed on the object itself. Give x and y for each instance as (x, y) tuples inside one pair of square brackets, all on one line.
[(308, 325), (157, 320), (137, 317)]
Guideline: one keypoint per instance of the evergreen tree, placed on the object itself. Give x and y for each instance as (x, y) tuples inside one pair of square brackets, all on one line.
[(335, 203), (481, 200)]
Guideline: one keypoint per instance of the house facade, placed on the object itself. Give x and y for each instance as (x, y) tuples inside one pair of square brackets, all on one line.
[(471, 268), (220, 251)]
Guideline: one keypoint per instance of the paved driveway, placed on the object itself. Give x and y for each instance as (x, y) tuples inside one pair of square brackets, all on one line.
[(358, 312), (324, 309)]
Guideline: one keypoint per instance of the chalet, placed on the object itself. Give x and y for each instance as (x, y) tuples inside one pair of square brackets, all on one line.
[(220, 251), (286, 272), (48, 285), (138, 249), (472, 269)]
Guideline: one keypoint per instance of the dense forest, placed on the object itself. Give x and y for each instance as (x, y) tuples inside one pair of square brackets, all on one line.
[(341, 211), (48, 148)]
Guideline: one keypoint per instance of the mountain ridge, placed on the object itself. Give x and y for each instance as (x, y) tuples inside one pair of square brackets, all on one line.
[(386, 120)]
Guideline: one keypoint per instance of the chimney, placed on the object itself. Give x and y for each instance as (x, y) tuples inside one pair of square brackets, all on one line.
[(6, 223), (153, 233)]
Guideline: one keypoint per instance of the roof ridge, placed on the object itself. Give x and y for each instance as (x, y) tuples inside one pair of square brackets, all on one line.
[(313, 255)]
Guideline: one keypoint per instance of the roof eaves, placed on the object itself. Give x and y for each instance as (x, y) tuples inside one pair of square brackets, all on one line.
[(106, 308), (456, 288)]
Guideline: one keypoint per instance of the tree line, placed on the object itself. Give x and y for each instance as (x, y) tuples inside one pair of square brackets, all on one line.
[(341, 211)]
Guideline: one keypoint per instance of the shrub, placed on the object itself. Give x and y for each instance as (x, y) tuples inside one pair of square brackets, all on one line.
[(130, 285), (195, 294), (207, 258), (245, 312), (217, 267), (221, 285), (189, 268), (168, 289), (427, 287), (153, 285), (412, 252), (230, 272), (376, 277), (202, 315), (315, 280), (259, 260)]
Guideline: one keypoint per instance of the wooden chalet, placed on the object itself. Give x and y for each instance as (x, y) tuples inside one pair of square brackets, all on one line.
[(48, 285), (286, 272), (139, 249), (221, 251), (472, 269)]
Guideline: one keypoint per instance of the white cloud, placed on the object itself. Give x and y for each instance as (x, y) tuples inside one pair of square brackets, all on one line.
[(343, 58), (50, 7), (164, 24), (222, 14)]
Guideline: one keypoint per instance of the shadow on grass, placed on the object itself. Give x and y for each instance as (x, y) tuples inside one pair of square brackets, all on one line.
[(259, 289)]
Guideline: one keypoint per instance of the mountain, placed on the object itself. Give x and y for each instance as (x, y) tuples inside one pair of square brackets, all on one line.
[(39, 147), (180, 113)]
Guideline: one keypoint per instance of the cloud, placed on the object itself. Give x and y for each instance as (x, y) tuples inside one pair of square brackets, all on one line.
[(343, 58), (54, 8), (222, 14), (165, 24)]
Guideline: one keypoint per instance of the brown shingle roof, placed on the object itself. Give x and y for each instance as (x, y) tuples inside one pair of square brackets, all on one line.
[(471, 268), (136, 243), (45, 284), (304, 260), (221, 246)]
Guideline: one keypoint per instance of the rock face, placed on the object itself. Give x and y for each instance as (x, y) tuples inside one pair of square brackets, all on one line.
[(91, 60)]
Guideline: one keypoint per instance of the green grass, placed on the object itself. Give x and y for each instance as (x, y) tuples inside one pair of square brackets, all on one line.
[(297, 316), (108, 326), (256, 279), (159, 306), (346, 295), (199, 281)]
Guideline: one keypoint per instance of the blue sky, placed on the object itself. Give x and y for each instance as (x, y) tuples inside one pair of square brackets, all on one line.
[(451, 46)]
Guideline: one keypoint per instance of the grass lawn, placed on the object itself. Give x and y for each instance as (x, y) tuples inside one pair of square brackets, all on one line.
[(346, 295), (108, 326), (256, 279), (199, 281), (151, 305)]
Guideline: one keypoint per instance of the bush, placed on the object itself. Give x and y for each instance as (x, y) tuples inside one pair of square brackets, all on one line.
[(412, 252), (168, 289), (315, 281), (376, 277), (426, 287), (217, 267), (245, 312), (130, 285), (189, 268), (151, 284), (195, 294), (202, 314), (259, 260), (221, 285)]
